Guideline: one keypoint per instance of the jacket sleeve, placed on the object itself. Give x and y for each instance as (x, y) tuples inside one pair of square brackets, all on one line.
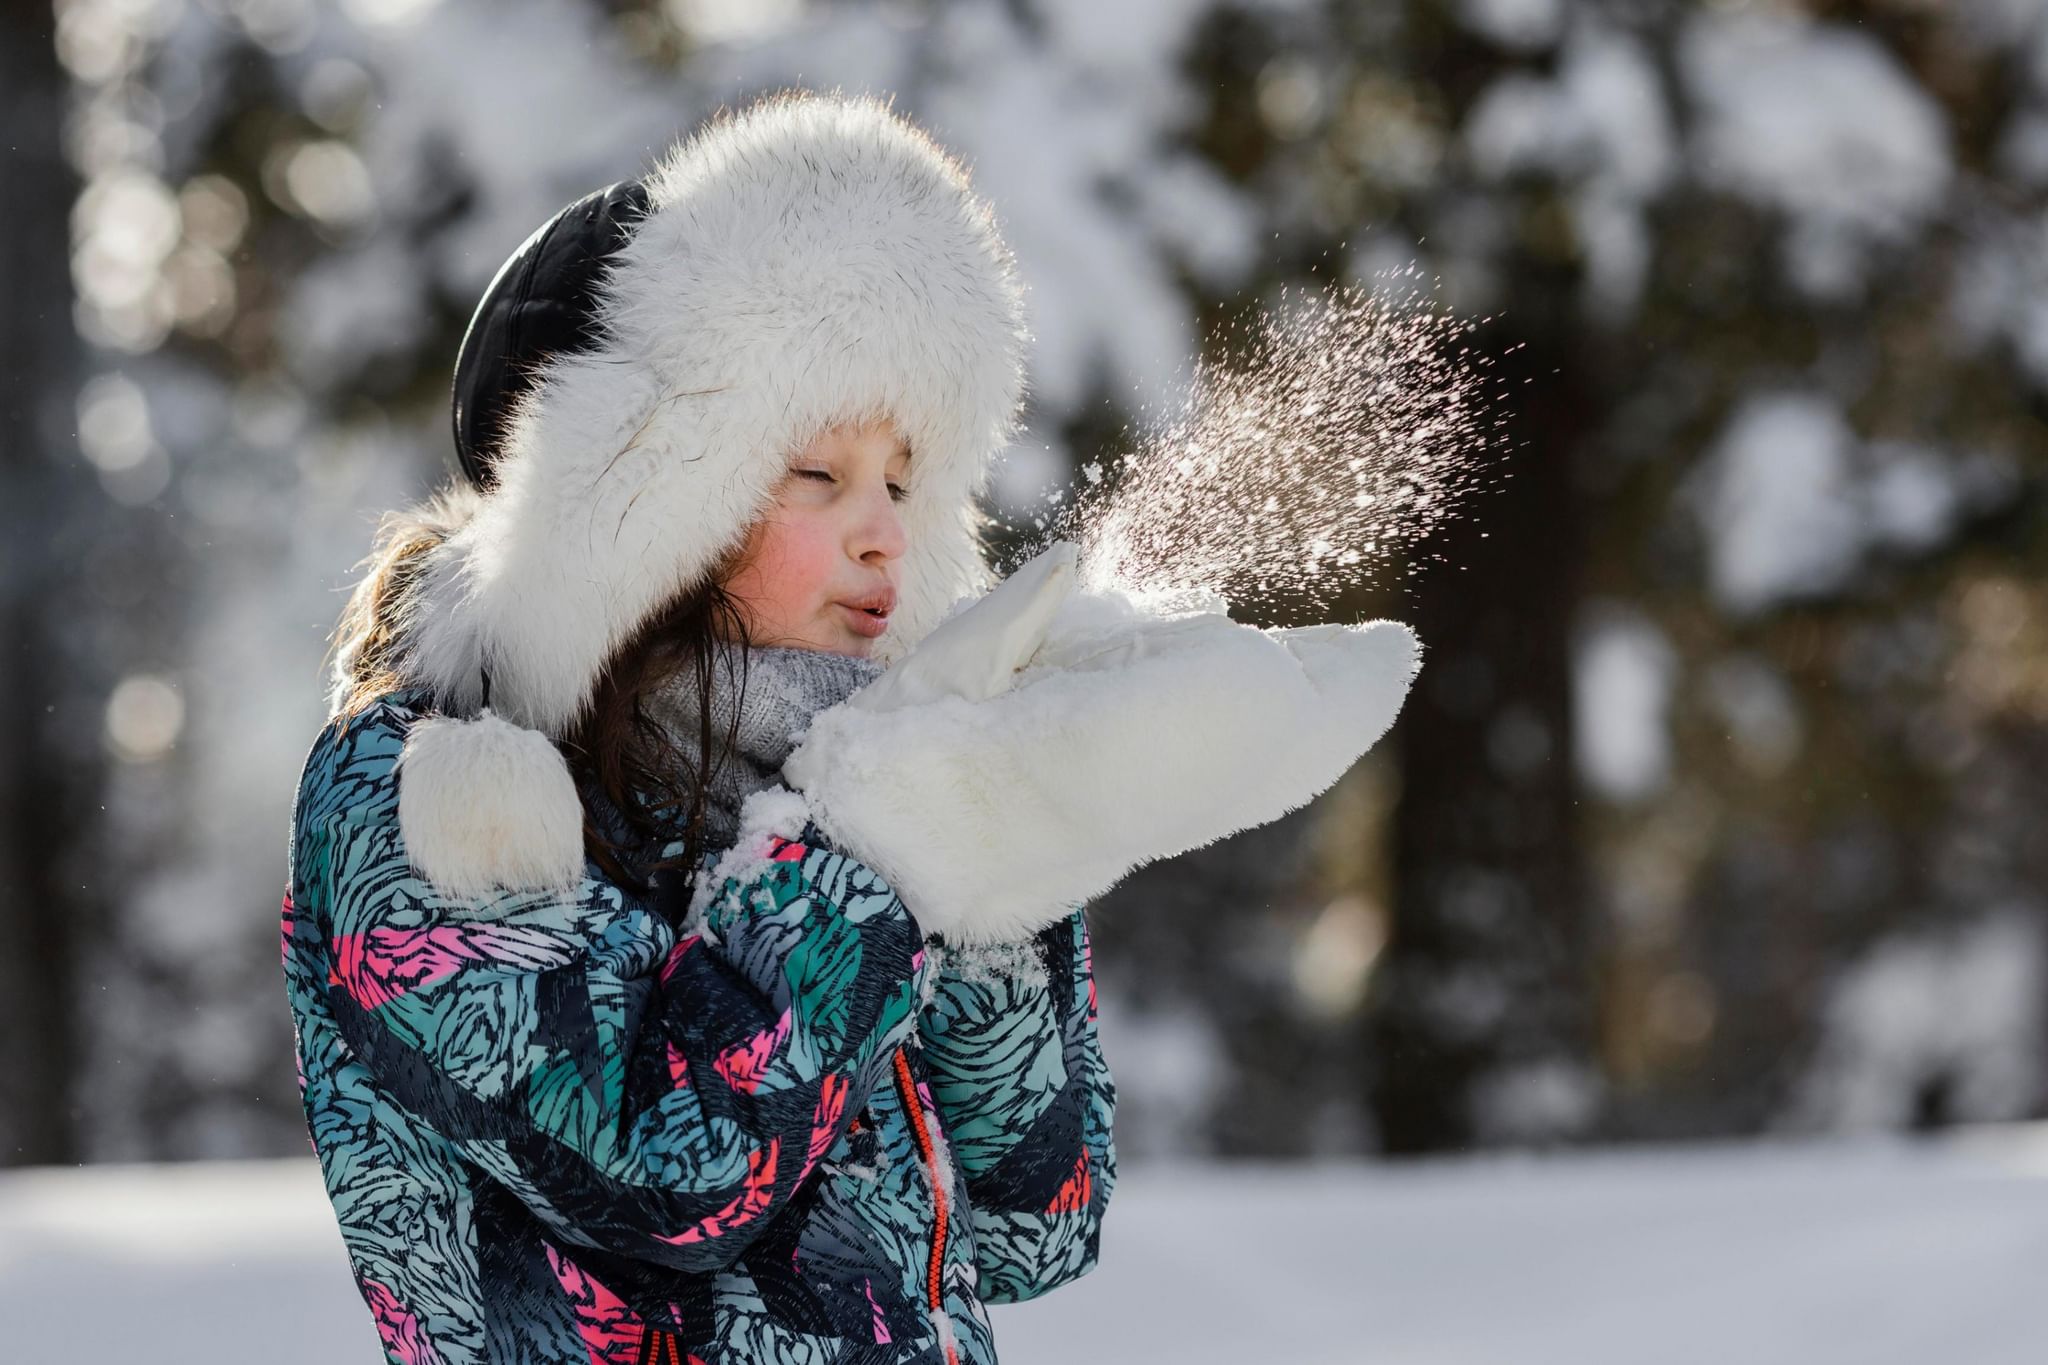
[(650, 1095), (1027, 1103)]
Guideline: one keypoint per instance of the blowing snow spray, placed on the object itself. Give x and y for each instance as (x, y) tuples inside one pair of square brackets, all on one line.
[(1347, 428)]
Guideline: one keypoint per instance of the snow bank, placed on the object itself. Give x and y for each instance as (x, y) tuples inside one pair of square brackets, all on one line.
[(1876, 1252)]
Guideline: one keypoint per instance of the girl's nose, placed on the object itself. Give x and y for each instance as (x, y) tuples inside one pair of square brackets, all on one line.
[(880, 537)]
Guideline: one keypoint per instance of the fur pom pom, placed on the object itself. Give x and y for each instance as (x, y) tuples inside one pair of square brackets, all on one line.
[(485, 805)]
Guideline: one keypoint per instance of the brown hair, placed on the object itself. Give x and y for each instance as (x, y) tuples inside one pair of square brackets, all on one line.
[(615, 749)]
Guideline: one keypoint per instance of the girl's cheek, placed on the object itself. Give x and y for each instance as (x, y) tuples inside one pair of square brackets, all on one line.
[(806, 562)]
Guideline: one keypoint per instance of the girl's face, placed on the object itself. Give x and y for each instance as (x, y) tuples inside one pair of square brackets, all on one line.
[(819, 570)]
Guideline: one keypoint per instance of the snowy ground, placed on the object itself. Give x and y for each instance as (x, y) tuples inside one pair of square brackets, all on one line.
[(1871, 1253)]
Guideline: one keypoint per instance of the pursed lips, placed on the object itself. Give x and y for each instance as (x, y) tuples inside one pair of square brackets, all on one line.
[(869, 614), (878, 603)]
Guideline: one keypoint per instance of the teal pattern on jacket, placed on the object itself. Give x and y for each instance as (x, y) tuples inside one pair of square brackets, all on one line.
[(555, 1127)]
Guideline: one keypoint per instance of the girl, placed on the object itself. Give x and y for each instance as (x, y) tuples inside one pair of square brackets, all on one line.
[(672, 982)]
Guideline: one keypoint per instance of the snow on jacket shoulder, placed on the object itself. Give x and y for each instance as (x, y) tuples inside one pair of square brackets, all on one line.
[(552, 1129)]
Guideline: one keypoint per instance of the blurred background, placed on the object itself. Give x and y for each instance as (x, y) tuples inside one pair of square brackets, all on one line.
[(1716, 814)]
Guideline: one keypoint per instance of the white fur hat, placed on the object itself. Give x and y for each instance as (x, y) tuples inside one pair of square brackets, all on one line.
[(807, 259)]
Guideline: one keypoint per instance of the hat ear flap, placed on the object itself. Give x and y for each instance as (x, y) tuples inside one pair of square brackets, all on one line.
[(485, 805)]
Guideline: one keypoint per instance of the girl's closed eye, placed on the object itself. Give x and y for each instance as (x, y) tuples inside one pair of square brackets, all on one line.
[(897, 491)]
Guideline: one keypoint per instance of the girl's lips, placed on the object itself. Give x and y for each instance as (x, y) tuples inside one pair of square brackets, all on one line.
[(864, 622)]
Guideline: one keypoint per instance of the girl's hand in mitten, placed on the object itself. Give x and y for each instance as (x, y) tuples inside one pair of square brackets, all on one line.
[(976, 651), (1128, 736)]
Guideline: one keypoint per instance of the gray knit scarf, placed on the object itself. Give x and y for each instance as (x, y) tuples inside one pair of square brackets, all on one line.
[(784, 688)]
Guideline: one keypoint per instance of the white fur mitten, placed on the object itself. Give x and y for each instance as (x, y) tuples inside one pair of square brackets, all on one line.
[(1128, 737)]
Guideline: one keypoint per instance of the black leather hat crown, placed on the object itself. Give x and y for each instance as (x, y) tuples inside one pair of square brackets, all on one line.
[(542, 302)]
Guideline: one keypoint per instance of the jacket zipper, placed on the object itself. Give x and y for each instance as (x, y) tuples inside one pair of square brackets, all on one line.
[(659, 1347), (906, 1087)]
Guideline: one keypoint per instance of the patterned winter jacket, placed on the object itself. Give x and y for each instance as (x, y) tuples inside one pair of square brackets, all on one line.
[(556, 1129)]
